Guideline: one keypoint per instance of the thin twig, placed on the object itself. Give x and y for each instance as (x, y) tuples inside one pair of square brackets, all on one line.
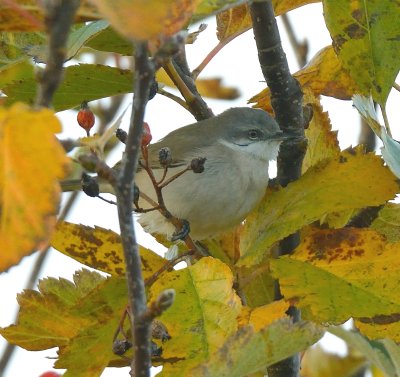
[(144, 72), (178, 70), (396, 86), (386, 120), (286, 100), (58, 19), (300, 48), (179, 224), (175, 98), (196, 72), (167, 266)]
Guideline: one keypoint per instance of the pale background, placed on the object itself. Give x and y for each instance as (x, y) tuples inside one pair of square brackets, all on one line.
[(237, 63)]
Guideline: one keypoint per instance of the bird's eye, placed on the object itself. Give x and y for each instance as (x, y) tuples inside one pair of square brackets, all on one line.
[(253, 134)]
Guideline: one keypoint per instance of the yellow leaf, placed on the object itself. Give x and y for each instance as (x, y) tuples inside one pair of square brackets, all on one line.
[(249, 351), (204, 293), (263, 316), (332, 185), (323, 75), (256, 284), (383, 353), (343, 273), (46, 319), (225, 247), (27, 15), (316, 362), (388, 222), (31, 163), (237, 20), (79, 317), (100, 248), (144, 19), (366, 33), (322, 141), (213, 88)]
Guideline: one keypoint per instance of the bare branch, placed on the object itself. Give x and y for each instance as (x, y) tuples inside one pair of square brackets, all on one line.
[(178, 70), (59, 17), (300, 48), (144, 72), (286, 100)]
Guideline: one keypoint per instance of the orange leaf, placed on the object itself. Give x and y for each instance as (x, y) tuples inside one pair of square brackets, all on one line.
[(28, 15), (143, 19), (31, 162), (324, 74)]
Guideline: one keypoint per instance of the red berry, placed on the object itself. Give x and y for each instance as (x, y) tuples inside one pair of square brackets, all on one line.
[(50, 374), (146, 135), (85, 117)]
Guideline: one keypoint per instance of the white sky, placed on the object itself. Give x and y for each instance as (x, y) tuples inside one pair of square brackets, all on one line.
[(237, 63)]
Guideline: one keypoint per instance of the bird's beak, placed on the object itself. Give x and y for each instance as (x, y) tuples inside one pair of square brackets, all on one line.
[(280, 136)]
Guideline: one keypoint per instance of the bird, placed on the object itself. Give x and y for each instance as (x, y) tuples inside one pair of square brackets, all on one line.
[(237, 146)]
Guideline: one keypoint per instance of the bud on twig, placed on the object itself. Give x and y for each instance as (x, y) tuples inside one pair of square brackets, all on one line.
[(197, 164), (153, 88), (159, 331), (136, 194), (146, 135), (120, 346), (121, 135), (90, 186), (165, 156)]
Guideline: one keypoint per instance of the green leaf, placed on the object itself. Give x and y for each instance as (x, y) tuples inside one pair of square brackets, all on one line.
[(104, 306), (330, 186), (14, 46), (388, 222), (79, 317), (45, 319), (366, 37), (203, 314), (16, 71), (110, 41), (248, 351), (81, 82), (79, 36), (208, 7)]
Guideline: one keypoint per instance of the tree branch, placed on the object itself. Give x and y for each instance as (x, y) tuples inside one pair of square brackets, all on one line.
[(300, 48), (178, 70), (58, 20), (286, 100), (144, 72)]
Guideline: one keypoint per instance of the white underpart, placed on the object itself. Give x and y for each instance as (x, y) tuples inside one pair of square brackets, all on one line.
[(233, 183)]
